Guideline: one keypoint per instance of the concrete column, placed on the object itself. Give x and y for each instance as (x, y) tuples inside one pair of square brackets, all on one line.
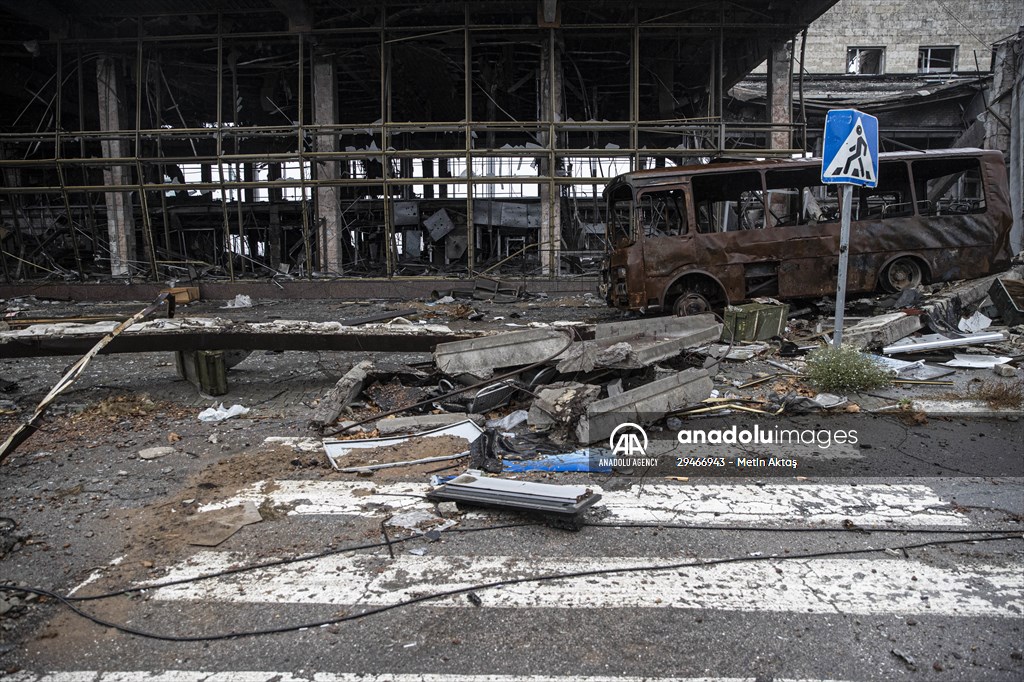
[(780, 98), (780, 110), (120, 214), (1004, 125), (1000, 98), (328, 199), (550, 202)]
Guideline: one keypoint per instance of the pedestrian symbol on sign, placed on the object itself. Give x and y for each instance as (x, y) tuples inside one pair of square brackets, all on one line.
[(858, 152), (850, 152)]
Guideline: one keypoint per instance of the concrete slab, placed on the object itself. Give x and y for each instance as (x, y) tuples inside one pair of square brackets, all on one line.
[(881, 330), (481, 356), (667, 325), (943, 312), (633, 344), (561, 403), (643, 404)]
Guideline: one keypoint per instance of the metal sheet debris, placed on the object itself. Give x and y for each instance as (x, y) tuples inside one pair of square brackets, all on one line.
[(917, 371), (976, 361), (509, 421), (475, 488), (927, 342), (722, 351), (1008, 297)]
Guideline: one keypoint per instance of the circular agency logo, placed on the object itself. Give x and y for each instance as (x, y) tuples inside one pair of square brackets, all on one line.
[(628, 440)]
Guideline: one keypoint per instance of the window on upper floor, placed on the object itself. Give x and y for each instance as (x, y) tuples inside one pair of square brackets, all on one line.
[(936, 59), (865, 61)]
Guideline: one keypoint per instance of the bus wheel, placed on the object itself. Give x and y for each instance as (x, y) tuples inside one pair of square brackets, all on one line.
[(691, 303), (902, 273)]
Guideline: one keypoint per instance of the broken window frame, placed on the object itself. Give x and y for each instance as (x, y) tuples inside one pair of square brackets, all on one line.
[(943, 187), (724, 206), (855, 61), (927, 58), (663, 212)]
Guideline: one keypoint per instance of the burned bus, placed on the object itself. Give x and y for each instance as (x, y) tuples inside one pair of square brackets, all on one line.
[(694, 238)]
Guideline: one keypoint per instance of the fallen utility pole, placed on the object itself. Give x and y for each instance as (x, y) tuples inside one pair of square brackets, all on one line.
[(22, 433)]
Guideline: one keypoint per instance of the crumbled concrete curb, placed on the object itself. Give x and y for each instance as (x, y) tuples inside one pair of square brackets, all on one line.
[(957, 408)]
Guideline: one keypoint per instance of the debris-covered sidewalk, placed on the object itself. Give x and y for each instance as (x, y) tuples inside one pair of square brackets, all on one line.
[(139, 475)]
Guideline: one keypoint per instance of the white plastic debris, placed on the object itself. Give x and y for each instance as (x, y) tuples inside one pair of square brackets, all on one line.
[(216, 414), (830, 400), (509, 421), (239, 301), (976, 361), (975, 323)]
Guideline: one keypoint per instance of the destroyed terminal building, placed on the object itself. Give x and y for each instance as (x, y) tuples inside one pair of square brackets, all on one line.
[(308, 139), (300, 139)]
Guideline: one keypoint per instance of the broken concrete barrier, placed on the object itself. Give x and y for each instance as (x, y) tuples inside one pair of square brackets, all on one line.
[(481, 356), (643, 404), (633, 344), (882, 330), (561, 403), (654, 339), (343, 393), (943, 312)]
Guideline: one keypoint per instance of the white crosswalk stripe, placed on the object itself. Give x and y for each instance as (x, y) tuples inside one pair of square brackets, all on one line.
[(862, 586), (878, 585), (774, 504)]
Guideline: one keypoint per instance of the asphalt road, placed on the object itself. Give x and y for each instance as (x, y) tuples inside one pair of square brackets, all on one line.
[(899, 557), (822, 577)]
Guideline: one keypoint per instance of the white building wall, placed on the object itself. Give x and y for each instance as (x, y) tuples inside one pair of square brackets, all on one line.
[(903, 26)]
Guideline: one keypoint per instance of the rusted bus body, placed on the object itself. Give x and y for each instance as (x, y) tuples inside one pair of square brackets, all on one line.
[(692, 238)]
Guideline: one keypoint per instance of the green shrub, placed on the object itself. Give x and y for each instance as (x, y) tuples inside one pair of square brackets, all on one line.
[(843, 369)]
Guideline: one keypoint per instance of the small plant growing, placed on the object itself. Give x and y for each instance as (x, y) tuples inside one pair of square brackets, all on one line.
[(843, 369)]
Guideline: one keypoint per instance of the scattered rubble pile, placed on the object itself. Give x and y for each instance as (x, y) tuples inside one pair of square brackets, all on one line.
[(546, 399), (547, 396)]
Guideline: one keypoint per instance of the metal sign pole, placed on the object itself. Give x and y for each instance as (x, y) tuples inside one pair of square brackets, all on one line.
[(844, 260)]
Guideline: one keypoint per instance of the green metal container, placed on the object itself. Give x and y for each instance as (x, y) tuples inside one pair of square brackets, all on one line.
[(754, 321)]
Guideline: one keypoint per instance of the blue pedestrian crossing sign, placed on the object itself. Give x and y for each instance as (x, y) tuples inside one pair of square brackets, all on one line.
[(850, 153)]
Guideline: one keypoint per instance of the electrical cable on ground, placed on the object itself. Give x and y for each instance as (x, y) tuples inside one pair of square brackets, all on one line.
[(489, 585), (390, 542)]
